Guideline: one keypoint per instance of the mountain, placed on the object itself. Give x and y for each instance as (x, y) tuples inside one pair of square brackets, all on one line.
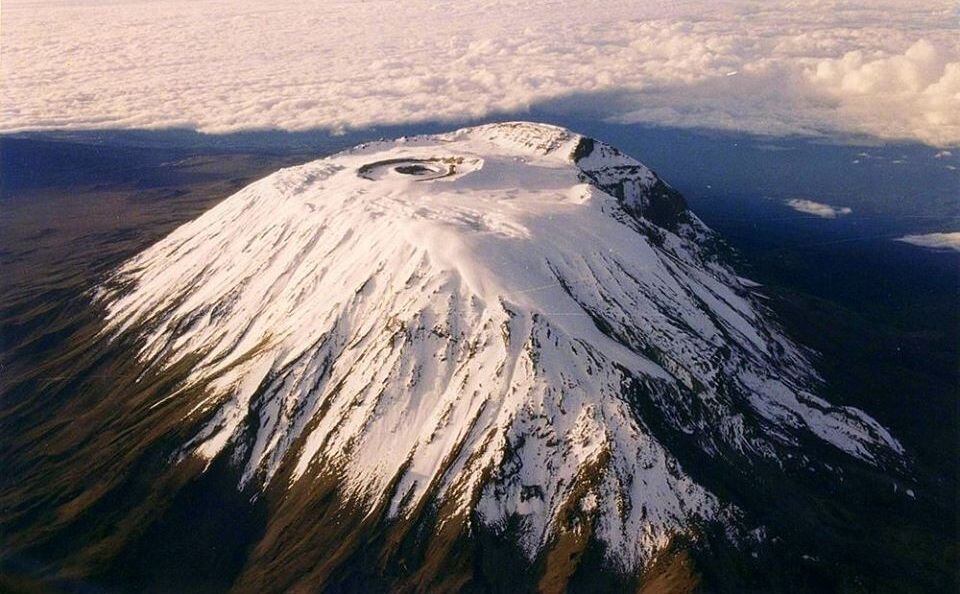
[(437, 362)]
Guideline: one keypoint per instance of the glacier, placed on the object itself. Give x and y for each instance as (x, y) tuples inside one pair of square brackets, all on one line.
[(498, 320)]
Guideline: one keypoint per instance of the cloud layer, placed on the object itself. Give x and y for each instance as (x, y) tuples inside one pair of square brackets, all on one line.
[(890, 69), (937, 241), (819, 209)]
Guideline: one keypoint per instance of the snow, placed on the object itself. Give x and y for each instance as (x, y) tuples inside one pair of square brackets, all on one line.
[(466, 316)]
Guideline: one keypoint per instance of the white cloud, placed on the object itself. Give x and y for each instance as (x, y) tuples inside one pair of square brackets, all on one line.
[(889, 69), (939, 241), (819, 209)]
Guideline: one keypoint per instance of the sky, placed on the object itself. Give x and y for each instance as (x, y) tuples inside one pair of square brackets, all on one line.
[(884, 69)]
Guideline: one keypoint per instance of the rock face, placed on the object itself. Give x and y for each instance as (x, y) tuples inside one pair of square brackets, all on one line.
[(509, 332)]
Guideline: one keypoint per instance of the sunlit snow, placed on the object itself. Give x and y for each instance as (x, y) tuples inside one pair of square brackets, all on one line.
[(469, 318)]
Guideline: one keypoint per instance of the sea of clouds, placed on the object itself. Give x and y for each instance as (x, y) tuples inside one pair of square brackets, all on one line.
[(888, 69)]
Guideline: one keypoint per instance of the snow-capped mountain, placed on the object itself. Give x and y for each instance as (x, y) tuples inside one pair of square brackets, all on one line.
[(509, 327)]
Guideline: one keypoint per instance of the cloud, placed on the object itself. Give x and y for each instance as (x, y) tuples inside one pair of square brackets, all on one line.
[(919, 87), (819, 209), (937, 241), (887, 68)]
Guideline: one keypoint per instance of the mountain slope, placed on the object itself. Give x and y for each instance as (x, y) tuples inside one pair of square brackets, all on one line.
[(511, 328)]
